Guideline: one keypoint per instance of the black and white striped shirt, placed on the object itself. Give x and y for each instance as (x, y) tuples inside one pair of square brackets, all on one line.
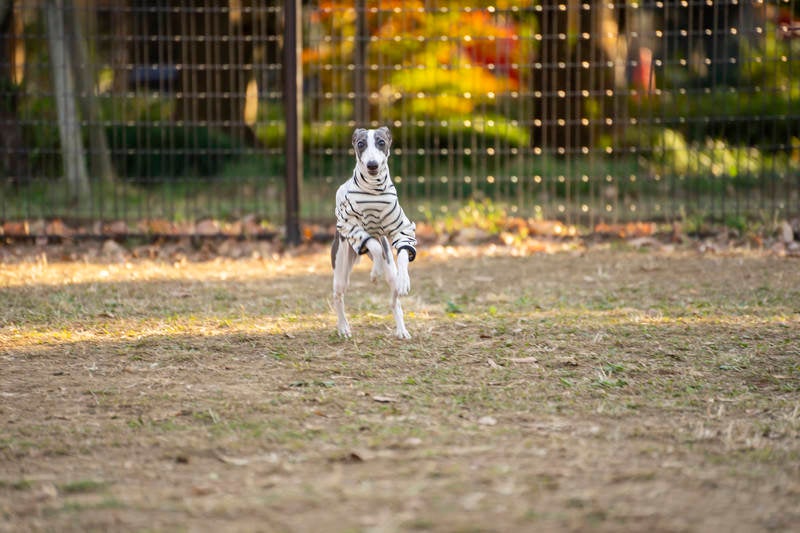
[(365, 210)]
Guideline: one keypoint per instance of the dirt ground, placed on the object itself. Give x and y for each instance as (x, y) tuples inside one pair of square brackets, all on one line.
[(605, 389)]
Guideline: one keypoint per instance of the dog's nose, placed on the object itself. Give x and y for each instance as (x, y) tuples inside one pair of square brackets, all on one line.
[(372, 165)]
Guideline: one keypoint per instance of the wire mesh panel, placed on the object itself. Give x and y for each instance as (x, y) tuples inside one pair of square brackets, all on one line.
[(154, 113), (141, 112), (584, 111)]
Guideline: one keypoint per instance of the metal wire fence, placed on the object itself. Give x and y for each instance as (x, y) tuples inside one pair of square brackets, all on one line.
[(152, 115)]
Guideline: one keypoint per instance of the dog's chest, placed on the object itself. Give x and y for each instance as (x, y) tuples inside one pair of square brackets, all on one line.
[(374, 207)]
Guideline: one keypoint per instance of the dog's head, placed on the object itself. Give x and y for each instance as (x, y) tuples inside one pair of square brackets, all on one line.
[(372, 150)]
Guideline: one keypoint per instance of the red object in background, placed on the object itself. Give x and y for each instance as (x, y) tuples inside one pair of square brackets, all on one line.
[(501, 51), (788, 28), (643, 78)]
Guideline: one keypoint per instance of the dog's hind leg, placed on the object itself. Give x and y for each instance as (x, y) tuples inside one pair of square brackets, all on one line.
[(343, 258)]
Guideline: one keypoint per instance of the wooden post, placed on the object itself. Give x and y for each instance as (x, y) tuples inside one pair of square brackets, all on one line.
[(293, 106)]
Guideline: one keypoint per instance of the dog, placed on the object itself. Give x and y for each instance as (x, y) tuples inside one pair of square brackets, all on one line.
[(369, 220)]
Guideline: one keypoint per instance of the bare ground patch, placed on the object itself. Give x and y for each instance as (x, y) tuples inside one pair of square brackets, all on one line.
[(605, 390)]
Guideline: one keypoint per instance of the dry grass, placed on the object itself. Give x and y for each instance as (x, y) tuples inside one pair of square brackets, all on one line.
[(605, 389)]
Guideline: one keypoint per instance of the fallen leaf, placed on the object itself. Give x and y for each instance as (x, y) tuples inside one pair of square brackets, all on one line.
[(235, 461), (354, 456), (642, 242), (57, 228), (471, 501), (112, 248), (523, 359), (487, 421), (180, 294), (207, 228), (15, 229), (118, 227), (47, 492), (384, 399)]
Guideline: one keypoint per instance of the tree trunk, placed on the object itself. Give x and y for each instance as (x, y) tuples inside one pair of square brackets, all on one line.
[(100, 157), (64, 88)]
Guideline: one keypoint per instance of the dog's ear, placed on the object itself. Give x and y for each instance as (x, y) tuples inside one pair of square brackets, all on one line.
[(356, 134), (387, 133)]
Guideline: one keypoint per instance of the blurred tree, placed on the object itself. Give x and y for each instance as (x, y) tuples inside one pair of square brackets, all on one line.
[(556, 61), (84, 71), (450, 64), (217, 66), (206, 54), (579, 83), (14, 163), (63, 70)]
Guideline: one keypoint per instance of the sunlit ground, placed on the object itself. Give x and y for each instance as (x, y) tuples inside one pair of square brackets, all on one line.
[(607, 389)]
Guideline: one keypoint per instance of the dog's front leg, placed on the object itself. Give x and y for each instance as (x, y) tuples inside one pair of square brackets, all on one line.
[(397, 310), (383, 262), (399, 284), (403, 279)]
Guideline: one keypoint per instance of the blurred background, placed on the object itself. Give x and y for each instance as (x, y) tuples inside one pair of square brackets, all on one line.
[(134, 116)]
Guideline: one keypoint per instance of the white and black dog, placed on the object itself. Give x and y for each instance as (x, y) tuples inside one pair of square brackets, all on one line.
[(368, 219)]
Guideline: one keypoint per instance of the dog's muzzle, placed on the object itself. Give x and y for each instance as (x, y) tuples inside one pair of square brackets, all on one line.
[(372, 168)]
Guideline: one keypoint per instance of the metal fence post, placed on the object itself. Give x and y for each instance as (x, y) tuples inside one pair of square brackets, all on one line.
[(293, 106), (361, 102)]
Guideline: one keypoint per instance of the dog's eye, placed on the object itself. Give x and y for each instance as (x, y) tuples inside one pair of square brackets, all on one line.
[(362, 145), (381, 143)]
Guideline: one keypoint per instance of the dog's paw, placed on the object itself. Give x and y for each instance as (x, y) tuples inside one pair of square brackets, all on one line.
[(344, 331), (403, 283), (402, 333)]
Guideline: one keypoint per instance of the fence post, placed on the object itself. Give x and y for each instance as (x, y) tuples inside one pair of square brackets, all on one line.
[(293, 106), (361, 102)]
